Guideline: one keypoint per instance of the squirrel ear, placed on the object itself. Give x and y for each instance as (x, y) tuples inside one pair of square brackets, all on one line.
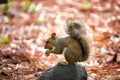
[(53, 34), (69, 20)]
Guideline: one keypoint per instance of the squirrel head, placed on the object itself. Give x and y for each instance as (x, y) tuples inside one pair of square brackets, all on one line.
[(50, 41)]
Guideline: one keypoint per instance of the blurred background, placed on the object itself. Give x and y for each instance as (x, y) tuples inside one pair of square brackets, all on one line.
[(26, 24)]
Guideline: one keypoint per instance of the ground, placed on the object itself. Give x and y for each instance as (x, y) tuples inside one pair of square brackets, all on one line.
[(26, 24)]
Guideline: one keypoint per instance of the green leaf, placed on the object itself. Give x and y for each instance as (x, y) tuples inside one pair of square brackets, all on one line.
[(32, 8), (86, 5), (9, 1), (26, 4), (6, 7), (4, 40), (41, 20), (40, 64)]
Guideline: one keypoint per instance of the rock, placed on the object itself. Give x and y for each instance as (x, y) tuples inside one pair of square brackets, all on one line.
[(64, 72)]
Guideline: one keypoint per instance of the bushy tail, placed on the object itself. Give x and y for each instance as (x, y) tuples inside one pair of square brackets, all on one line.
[(77, 29)]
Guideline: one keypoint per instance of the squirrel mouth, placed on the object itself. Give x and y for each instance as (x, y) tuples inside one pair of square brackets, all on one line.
[(51, 48)]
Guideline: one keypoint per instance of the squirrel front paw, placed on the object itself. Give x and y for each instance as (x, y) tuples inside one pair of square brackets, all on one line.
[(47, 53)]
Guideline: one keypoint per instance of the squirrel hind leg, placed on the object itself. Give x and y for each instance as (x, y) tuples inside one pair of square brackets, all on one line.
[(69, 59)]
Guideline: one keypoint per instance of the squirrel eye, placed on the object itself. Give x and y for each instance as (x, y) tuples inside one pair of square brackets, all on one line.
[(76, 25), (47, 42)]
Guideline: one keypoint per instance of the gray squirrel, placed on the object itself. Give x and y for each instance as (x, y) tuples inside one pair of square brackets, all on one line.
[(76, 47)]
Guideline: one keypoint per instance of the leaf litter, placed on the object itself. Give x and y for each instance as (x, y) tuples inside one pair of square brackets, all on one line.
[(27, 24)]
